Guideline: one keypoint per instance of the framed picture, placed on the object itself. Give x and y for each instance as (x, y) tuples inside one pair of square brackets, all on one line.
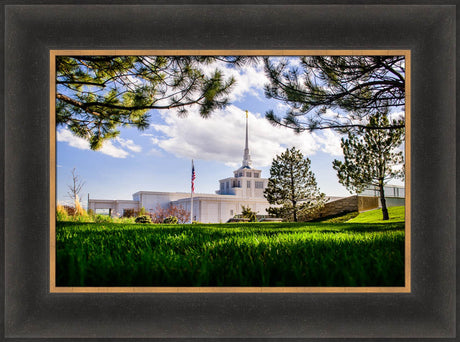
[(266, 248), (40, 304)]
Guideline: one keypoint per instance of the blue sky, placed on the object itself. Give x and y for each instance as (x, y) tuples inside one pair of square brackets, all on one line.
[(159, 158)]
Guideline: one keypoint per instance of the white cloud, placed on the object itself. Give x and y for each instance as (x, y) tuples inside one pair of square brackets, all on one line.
[(113, 151), (65, 135), (154, 152), (129, 144), (282, 107), (329, 142), (155, 141), (107, 148), (221, 137), (249, 78)]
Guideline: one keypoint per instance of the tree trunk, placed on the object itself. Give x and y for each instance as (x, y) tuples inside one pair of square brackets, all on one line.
[(383, 202), (294, 210)]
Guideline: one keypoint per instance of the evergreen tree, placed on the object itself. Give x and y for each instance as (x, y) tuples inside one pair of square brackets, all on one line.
[(97, 94), (292, 185), (354, 86), (371, 158)]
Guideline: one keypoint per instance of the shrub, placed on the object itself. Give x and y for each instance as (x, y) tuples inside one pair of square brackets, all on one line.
[(129, 213), (238, 219), (171, 220), (80, 218), (160, 214), (143, 219), (70, 210), (246, 212), (61, 213), (125, 220), (103, 219)]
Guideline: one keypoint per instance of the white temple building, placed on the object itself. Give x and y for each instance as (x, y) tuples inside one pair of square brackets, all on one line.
[(244, 188)]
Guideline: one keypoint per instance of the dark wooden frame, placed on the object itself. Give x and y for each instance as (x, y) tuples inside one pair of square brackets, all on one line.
[(30, 32), (406, 288)]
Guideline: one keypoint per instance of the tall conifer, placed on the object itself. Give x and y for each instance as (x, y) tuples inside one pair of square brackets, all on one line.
[(292, 185), (371, 158)]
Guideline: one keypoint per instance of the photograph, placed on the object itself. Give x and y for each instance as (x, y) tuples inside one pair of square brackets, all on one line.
[(215, 171), (254, 171)]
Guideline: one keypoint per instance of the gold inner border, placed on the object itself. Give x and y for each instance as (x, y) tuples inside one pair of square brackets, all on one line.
[(52, 137)]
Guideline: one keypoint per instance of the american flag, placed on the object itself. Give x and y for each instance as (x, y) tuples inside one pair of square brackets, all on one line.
[(193, 177)]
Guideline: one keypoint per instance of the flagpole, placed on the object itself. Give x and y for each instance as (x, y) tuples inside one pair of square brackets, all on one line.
[(191, 194)]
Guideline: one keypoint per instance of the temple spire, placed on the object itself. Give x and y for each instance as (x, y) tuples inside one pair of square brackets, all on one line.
[(246, 158)]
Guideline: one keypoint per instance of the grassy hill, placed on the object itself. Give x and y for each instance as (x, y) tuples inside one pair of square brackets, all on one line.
[(397, 214)]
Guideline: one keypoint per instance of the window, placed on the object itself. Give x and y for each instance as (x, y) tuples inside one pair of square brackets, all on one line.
[(239, 184), (259, 185), (231, 213), (240, 174), (103, 211), (222, 186), (228, 184), (256, 175), (234, 184), (248, 174), (249, 184)]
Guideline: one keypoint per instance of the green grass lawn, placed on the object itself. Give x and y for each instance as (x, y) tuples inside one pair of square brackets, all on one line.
[(396, 214), (238, 254)]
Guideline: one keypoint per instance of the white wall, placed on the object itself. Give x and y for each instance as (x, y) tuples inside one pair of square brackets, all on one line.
[(116, 206), (218, 209), (125, 205), (150, 200)]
